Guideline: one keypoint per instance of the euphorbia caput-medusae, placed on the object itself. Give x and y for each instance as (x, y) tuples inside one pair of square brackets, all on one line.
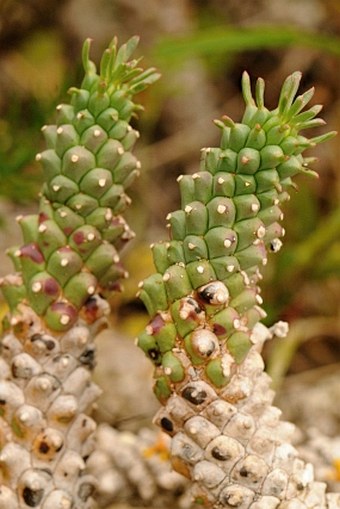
[(205, 334), (68, 263)]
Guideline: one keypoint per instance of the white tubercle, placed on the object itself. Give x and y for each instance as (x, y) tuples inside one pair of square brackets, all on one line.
[(15, 459), (8, 498), (58, 499), (68, 469), (63, 408), (29, 416), (280, 329), (77, 382)]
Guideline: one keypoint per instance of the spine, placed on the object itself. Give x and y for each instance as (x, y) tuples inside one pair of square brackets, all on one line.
[(205, 334), (68, 263)]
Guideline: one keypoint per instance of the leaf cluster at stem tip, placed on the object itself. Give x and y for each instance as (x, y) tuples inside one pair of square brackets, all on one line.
[(116, 70)]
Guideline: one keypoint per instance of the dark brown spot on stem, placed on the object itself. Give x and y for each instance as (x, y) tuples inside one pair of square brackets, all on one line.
[(32, 497), (44, 448), (167, 424), (194, 396)]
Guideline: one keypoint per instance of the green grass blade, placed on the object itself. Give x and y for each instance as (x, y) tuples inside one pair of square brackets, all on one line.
[(229, 39)]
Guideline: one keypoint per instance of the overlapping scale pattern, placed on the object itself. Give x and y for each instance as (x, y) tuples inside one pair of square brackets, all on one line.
[(205, 307), (68, 260), (135, 468), (46, 395), (71, 246)]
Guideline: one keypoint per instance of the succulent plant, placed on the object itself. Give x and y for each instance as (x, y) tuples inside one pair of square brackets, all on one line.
[(136, 468), (66, 266), (205, 334)]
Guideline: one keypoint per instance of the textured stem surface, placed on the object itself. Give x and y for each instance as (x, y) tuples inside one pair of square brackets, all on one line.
[(67, 265), (205, 335), (46, 395), (136, 468)]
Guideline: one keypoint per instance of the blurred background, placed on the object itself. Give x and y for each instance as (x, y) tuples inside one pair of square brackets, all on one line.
[(201, 48)]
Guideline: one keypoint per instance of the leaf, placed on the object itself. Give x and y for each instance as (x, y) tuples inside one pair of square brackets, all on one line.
[(130, 46), (125, 51)]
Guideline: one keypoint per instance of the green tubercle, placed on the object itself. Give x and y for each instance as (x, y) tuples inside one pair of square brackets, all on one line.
[(206, 285), (70, 246), (239, 345), (172, 367), (214, 372), (162, 389)]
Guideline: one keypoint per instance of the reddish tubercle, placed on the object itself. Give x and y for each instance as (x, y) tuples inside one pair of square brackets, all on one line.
[(33, 252)]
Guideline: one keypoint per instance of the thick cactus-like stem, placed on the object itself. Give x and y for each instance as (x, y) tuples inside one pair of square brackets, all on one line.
[(46, 393), (66, 266), (205, 335), (136, 468), (71, 245)]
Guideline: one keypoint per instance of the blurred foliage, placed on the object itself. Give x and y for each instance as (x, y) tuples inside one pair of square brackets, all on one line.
[(36, 74), (201, 48), (219, 40)]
